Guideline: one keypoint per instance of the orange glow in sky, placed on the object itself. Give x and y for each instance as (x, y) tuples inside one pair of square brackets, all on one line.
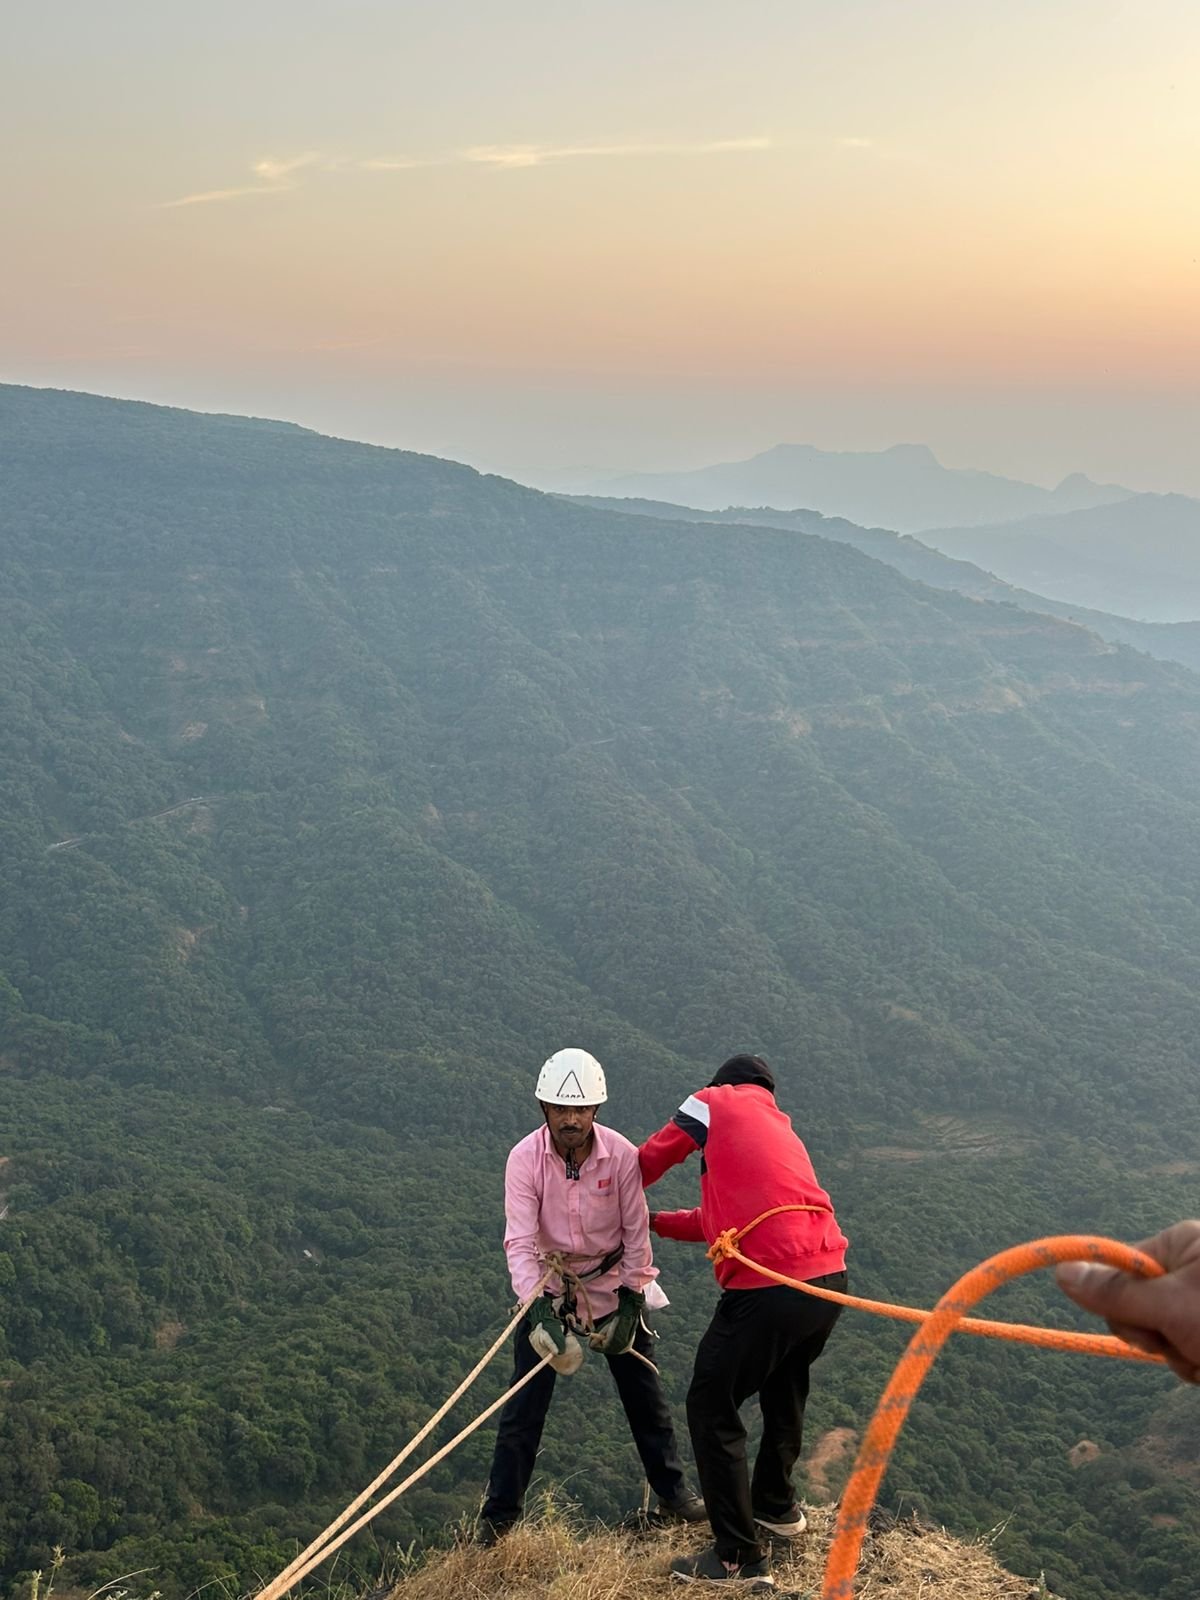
[(375, 217)]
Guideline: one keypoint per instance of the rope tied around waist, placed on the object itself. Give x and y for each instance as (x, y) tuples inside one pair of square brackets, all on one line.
[(723, 1246)]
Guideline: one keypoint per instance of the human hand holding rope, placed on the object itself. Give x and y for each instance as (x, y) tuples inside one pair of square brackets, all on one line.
[(1160, 1316)]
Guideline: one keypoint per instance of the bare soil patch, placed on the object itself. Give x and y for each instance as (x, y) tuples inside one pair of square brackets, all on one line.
[(831, 1449)]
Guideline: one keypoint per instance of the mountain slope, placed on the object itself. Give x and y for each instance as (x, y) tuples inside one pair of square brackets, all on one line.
[(905, 488), (1169, 641), (341, 785), (1141, 556)]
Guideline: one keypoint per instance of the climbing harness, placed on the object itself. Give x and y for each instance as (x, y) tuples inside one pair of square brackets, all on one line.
[(582, 1321), (573, 1280), (947, 1317)]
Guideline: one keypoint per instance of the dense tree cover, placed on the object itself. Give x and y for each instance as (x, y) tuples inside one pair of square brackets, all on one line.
[(338, 786)]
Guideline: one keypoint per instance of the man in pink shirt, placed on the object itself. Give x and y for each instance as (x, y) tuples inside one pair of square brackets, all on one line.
[(574, 1188)]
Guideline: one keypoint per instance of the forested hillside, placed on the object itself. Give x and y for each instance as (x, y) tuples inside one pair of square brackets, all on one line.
[(338, 786), (1169, 641)]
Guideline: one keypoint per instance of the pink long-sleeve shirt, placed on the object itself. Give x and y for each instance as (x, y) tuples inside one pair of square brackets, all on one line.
[(587, 1216)]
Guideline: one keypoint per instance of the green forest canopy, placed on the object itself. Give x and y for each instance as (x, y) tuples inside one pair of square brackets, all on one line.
[(339, 785)]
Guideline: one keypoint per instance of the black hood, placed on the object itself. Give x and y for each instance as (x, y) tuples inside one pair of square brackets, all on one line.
[(745, 1069)]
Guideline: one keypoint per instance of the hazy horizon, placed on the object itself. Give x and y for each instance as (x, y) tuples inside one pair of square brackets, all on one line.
[(491, 433), (559, 245)]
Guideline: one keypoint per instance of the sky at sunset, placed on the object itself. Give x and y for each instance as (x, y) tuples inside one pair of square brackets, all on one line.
[(570, 238)]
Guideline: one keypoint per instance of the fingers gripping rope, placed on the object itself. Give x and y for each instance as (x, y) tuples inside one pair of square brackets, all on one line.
[(948, 1316)]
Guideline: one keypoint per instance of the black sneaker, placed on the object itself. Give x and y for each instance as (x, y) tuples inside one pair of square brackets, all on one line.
[(707, 1567), (685, 1507), (789, 1526)]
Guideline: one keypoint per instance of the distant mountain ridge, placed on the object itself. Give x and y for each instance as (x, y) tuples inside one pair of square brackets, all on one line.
[(1168, 641), (905, 487), (1140, 556)]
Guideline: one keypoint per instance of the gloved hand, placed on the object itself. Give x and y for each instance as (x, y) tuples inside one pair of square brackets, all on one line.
[(550, 1338), (617, 1334)]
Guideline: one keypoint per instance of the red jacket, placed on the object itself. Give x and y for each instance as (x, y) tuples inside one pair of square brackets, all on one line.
[(752, 1160)]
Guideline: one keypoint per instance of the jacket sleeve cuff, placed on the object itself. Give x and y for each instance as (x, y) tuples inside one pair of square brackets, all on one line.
[(678, 1225)]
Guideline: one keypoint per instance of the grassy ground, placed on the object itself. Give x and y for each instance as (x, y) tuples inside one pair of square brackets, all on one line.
[(549, 1559)]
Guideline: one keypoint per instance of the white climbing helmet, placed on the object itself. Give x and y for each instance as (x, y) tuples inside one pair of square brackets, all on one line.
[(572, 1078)]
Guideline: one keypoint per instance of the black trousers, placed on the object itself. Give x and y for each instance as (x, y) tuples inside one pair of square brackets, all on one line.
[(760, 1341), (522, 1420)]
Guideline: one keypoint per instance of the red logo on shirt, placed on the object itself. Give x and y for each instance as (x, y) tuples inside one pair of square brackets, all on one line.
[(604, 1183)]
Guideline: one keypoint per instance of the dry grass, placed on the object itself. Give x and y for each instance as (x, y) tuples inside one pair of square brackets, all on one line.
[(547, 1559)]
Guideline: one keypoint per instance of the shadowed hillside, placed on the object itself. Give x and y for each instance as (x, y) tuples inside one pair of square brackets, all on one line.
[(1140, 557)]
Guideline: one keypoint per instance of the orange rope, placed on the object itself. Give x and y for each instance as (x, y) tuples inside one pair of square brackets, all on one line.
[(947, 1317), (1092, 1344), (923, 1348)]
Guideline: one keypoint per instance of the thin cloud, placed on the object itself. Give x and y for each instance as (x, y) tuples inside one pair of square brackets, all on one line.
[(208, 196), (396, 164), (536, 155), (282, 176), (277, 177), (853, 142), (273, 170)]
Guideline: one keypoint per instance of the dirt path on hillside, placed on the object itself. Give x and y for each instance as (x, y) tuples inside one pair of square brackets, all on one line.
[(830, 1450)]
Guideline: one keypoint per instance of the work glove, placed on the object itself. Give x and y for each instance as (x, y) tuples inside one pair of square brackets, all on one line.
[(617, 1333), (550, 1338)]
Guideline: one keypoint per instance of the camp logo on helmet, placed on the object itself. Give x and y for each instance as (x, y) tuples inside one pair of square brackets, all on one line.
[(572, 1078)]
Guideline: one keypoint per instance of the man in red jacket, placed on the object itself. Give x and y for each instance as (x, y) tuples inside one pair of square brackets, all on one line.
[(763, 1336)]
